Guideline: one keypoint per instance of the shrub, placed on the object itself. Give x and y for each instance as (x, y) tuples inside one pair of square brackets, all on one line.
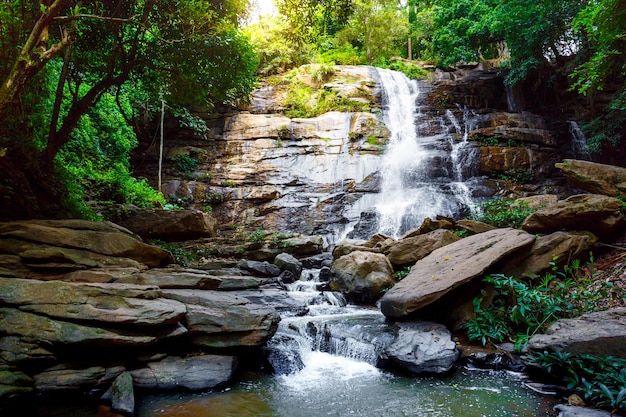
[(499, 213), (185, 165)]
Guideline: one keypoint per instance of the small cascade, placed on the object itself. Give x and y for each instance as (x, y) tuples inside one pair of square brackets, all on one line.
[(331, 332), (579, 141)]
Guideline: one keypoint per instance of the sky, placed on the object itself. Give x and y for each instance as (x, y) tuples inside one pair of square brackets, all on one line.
[(262, 7)]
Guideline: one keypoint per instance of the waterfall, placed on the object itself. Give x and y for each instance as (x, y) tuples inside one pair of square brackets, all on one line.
[(579, 141), (423, 167)]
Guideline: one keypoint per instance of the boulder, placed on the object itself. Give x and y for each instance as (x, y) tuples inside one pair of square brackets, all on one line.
[(473, 226), (556, 249), (595, 213), (303, 245), (407, 251), (362, 276), (165, 224), (106, 304), (225, 319), (193, 373), (259, 269), (602, 333), (576, 411), (596, 178), (287, 262), (123, 394), (175, 277), (449, 267), (104, 239), (423, 347), (14, 383), (64, 377), (536, 201)]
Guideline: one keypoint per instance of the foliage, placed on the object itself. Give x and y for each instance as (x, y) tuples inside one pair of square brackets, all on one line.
[(517, 175), (258, 236), (502, 213), (303, 100), (520, 309), (600, 380), (185, 165), (401, 274), (410, 69)]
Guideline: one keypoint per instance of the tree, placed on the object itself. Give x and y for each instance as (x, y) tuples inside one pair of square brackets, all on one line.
[(378, 26), (188, 52)]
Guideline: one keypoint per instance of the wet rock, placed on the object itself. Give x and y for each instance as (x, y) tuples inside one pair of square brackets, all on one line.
[(450, 267), (423, 347), (407, 251), (574, 411), (595, 213), (362, 276), (287, 262), (225, 319), (325, 274), (14, 383), (63, 377), (317, 261), (260, 269), (193, 373), (601, 333), (596, 178)]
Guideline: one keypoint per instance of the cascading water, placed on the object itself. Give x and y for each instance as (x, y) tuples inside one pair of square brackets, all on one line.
[(424, 167), (579, 141)]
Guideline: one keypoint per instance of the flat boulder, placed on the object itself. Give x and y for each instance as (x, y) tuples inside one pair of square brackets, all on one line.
[(449, 267), (602, 333), (174, 277), (362, 276), (193, 373), (594, 213), (168, 225), (423, 347), (596, 178), (409, 250)]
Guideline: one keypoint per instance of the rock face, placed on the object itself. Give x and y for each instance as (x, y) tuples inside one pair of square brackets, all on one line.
[(260, 169), (599, 214), (602, 333), (596, 178), (362, 276), (423, 347), (449, 267), (409, 250)]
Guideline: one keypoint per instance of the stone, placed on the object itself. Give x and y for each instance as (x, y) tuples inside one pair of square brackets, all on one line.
[(174, 277), (303, 245), (496, 159), (44, 330), (260, 269), (556, 249), (407, 251), (103, 303), (423, 347), (287, 262), (225, 319), (151, 223), (123, 394), (344, 248), (14, 383), (64, 377), (595, 178), (14, 350), (536, 201), (449, 267), (602, 333), (595, 213), (362, 276), (575, 411), (473, 226), (193, 373), (102, 239)]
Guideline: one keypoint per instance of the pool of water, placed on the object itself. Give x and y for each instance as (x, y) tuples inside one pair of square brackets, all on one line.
[(336, 386)]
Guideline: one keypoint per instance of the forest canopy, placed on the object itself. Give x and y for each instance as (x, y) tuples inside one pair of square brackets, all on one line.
[(82, 81)]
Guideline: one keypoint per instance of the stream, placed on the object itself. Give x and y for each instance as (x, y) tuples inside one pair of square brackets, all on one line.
[(325, 365)]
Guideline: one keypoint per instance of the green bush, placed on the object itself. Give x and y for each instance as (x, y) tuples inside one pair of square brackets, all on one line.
[(409, 69), (185, 165), (499, 213), (599, 380)]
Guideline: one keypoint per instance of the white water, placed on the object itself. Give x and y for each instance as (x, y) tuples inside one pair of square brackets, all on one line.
[(423, 173), (579, 141)]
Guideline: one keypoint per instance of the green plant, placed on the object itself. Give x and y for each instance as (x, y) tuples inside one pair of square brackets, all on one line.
[(284, 133), (181, 255), (258, 236), (462, 233), (185, 165), (409, 69), (499, 213), (229, 183), (517, 175), (600, 380), (401, 274), (322, 72)]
